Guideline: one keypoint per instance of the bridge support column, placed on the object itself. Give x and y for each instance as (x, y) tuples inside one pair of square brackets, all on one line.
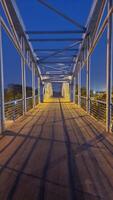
[(38, 89), (79, 87), (88, 81), (2, 113), (74, 82), (108, 70), (33, 85), (23, 77)]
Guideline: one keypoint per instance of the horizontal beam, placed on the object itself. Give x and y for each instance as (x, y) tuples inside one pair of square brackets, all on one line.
[(59, 13), (56, 81), (59, 57), (62, 50), (54, 50), (59, 62), (54, 32), (56, 75), (55, 40)]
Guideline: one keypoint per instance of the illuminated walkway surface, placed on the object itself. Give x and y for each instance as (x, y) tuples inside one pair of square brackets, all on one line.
[(56, 152)]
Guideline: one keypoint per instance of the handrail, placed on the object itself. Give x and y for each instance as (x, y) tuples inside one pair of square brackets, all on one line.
[(83, 97), (29, 97), (99, 101), (14, 108), (13, 101)]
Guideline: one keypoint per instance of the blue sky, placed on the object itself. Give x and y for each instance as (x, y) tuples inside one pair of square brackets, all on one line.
[(37, 17)]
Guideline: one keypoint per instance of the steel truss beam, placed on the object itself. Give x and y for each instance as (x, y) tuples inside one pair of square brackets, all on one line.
[(79, 88), (73, 89), (94, 33), (62, 15), (23, 77), (2, 115), (55, 39), (88, 79), (56, 74), (47, 50), (59, 57), (109, 70), (92, 26), (39, 97), (33, 84), (54, 32), (18, 29), (62, 50), (53, 62)]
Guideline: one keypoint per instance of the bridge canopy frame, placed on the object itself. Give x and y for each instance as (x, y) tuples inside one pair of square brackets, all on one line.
[(91, 36)]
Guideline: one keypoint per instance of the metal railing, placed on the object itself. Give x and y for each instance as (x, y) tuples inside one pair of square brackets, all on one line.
[(112, 117), (98, 109), (76, 99), (36, 99), (14, 109), (83, 102), (29, 103)]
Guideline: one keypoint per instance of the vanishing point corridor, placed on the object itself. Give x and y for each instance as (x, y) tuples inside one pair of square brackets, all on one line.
[(56, 99), (56, 152)]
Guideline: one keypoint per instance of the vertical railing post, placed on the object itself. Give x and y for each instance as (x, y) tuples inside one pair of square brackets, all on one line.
[(108, 70), (88, 79), (74, 81), (23, 76), (42, 91), (79, 87), (38, 89), (62, 91), (2, 113), (33, 84), (71, 91)]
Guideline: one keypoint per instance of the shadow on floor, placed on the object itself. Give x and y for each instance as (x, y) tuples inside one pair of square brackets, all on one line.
[(56, 155)]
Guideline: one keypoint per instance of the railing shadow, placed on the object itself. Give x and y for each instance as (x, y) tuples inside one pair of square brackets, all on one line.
[(77, 155), (85, 128)]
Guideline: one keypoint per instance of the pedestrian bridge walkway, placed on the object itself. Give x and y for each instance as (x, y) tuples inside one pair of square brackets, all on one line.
[(58, 152)]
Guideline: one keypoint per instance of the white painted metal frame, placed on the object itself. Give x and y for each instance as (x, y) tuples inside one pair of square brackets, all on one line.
[(85, 59), (74, 88), (109, 70), (79, 87), (39, 98), (23, 68), (88, 80), (33, 85), (2, 115), (26, 53)]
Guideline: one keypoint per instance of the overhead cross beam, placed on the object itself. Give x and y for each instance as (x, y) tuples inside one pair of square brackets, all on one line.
[(49, 62), (54, 39), (56, 68), (62, 50), (57, 74), (54, 32), (62, 57), (72, 21), (49, 50)]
